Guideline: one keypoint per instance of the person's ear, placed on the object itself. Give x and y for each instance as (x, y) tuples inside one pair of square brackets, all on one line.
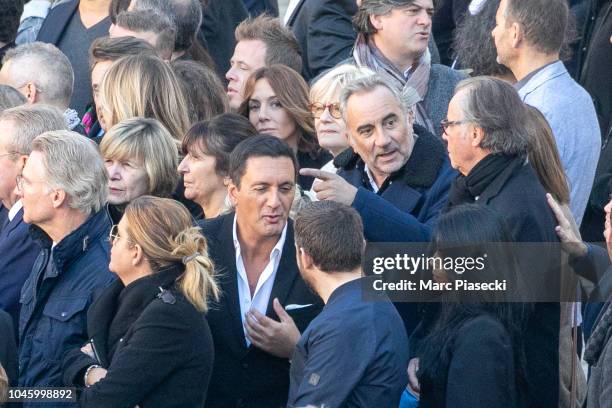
[(516, 34), (58, 197), (31, 93), (477, 136), (137, 255), (21, 162), (376, 21), (232, 192), (305, 259)]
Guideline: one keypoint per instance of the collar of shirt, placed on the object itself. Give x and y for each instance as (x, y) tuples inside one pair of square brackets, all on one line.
[(371, 179), (14, 210), (290, 9), (528, 77), (261, 296)]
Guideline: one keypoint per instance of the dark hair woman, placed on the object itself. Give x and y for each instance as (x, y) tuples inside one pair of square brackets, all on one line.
[(150, 343), (472, 353), (276, 103), (207, 147)]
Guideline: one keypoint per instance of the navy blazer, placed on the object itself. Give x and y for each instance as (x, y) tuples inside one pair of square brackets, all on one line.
[(407, 207), (56, 22), (247, 376), (19, 251)]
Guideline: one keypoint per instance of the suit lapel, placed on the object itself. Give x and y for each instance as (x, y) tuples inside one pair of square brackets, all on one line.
[(54, 27), (295, 13), (11, 225), (286, 274), (229, 282)]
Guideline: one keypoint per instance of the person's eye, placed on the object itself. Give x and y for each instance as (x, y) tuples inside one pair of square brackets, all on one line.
[(108, 162), (390, 123), (243, 67), (253, 105), (276, 104), (365, 132), (286, 189)]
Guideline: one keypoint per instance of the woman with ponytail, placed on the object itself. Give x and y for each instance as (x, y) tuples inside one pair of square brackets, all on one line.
[(150, 344)]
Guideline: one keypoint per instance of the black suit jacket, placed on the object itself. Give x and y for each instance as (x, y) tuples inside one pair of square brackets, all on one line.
[(219, 20), (247, 376), (325, 33)]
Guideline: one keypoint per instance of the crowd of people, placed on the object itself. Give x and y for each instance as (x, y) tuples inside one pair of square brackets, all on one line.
[(189, 191)]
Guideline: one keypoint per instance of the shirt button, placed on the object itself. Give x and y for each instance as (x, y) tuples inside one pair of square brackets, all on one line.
[(64, 314)]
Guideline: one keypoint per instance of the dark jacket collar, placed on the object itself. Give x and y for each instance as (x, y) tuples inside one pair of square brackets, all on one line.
[(421, 169), (75, 243), (121, 305)]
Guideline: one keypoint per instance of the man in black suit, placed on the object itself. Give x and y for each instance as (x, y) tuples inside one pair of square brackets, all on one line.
[(325, 32), (254, 255)]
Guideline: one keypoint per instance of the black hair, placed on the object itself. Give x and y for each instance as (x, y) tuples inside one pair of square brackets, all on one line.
[(258, 146), (471, 230)]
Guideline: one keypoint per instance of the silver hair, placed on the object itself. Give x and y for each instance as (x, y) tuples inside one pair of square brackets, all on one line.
[(45, 66), (29, 122), (495, 107), (72, 163), (406, 100)]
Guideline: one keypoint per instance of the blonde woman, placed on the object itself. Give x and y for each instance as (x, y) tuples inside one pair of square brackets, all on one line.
[(325, 107), (141, 158), (144, 86), (150, 344)]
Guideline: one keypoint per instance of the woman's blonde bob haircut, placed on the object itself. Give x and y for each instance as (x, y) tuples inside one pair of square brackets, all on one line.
[(164, 230), (148, 143), (144, 86), (328, 87)]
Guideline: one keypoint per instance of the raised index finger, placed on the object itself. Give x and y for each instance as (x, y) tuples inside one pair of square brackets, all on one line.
[(320, 174)]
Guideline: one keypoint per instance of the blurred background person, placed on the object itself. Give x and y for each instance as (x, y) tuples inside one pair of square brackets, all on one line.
[(205, 167), (72, 26), (276, 103), (203, 90), (151, 320), (144, 86), (473, 47), (104, 51), (140, 158), (43, 74), (260, 42), (148, 25), (9, 21)]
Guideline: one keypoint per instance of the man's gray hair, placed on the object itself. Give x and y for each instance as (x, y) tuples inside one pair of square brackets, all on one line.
[(406, 100), (45, 66), (72, 163), (10, 97), (31, 121), (495, 106), (368, 8), (185, 14)]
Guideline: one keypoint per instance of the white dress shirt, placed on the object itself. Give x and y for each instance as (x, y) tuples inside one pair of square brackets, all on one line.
[(263, 290), (14, 210)]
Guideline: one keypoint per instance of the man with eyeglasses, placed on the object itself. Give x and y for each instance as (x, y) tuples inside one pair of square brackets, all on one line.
[(18, 127), (63, 188)]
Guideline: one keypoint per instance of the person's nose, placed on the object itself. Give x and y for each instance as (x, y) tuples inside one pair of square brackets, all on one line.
[(382, 139), (424, 19), (273, 200), (183, 166), (263, 113), (230, 75), (326, 116), (114, 171)]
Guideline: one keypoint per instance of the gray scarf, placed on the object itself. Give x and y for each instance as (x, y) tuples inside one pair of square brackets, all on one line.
[(367, 54)]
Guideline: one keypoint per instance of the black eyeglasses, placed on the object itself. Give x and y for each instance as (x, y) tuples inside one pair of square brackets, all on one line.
[(318, 109), (448, 123)]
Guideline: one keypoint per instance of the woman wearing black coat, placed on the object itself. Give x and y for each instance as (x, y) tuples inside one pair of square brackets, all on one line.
[(150, 344), (470, 346)]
